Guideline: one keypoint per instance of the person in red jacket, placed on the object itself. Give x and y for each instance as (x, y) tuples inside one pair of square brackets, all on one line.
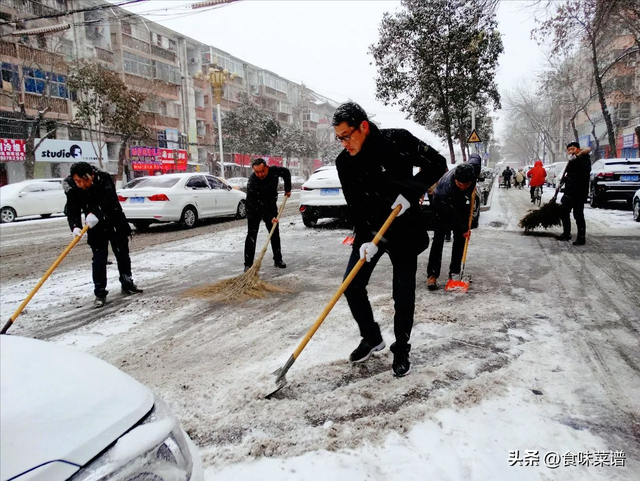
[(537, 175)]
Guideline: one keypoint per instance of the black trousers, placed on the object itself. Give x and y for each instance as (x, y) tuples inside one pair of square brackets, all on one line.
[(253, 221), (100, 246), (532, 189), (435, 255), (405, 265), (568, 204)]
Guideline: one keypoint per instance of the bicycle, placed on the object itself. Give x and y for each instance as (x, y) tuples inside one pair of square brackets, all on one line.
[(537, 196)]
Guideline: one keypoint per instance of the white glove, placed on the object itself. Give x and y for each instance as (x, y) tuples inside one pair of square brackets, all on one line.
[(92, 220), (401, 200), (368, 250), (77, 232)]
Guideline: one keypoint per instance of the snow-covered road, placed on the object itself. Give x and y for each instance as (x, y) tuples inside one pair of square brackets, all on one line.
[(542, 354)]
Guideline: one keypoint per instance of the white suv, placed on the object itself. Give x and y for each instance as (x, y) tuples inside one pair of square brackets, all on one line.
[(68, 415), (321, 196)]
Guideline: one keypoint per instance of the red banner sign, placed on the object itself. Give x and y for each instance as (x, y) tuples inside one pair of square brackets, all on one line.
[(154, 159), (12, 150)]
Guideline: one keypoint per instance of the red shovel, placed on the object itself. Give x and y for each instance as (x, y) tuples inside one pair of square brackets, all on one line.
[(462, 284)]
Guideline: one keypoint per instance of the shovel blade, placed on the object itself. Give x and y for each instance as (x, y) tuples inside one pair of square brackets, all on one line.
[(348, 241), (457, 285)]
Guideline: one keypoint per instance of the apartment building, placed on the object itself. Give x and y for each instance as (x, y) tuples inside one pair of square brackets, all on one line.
[(39, 38)]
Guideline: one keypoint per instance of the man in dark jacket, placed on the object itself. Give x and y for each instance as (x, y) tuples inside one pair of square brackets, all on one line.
[(506, 176), (576, 191), (452, 207), (262, 199), (376, 174), (91, 191)]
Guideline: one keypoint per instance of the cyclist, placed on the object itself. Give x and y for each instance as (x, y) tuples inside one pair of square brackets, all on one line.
[(520, 178), (537, 174)]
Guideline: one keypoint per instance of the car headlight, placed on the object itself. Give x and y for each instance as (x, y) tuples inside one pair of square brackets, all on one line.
[(154, 450)]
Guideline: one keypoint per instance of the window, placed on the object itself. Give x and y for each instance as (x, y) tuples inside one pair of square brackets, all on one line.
[(10, 78), (150, 105), (168, 73), (214, 183), (162, 139), (201, 128), (173, 46), (126, 28), (198, 182), (137, 65), (162, 108), (35, 81)]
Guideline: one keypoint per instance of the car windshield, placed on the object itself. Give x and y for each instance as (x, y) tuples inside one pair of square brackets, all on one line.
[(134, 183), (158, 182)]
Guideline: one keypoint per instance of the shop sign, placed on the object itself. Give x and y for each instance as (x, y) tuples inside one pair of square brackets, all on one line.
[(12, 150), (53, 150), (628, 140)]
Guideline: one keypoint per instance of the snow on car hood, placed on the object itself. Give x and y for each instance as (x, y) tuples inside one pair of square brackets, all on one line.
[(323, 179), (61, 405)]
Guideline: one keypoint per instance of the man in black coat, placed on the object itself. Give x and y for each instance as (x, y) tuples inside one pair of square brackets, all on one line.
[(376, 174), (262, 200), (91, 191), (506, 176), (452, 206), (576, 191)]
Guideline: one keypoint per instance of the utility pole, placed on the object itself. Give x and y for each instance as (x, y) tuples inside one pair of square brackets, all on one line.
[(473, 125)]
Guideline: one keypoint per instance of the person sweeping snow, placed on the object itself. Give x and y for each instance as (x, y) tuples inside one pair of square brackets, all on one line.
[(452, 204), (376, 174)]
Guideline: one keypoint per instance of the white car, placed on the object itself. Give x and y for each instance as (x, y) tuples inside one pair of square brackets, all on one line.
[(41, 197), (238, 183), (554, 173), (636, 206), (613, 179), (183, 198), (321, 196), (66, 413)]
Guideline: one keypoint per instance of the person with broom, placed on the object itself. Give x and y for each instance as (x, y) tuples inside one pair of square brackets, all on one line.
[(262, 199), (376, 173), (91, 191), (452, 207), (576, 190)]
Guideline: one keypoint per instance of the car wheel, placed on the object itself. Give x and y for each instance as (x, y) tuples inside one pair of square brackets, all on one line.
[(636, 210), (189, 217), (141, 225), (241, 213), (7, 214), (45, 216), (309, 220), (594, 201)]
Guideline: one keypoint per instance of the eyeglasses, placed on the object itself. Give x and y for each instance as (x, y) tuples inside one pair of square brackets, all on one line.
[(346, 138)]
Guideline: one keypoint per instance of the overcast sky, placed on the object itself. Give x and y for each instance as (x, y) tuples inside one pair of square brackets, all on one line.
[(325, 44)]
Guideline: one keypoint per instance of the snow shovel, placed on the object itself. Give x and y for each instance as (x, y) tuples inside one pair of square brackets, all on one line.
[(46, 275), (281, 380), (461, 284)]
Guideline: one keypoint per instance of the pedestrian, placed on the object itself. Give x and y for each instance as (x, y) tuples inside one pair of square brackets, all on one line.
[(520, 178), (452, 207), (91, 191), (376, 173), (262, 199), (576, 191), (506, 177), (537, 175)]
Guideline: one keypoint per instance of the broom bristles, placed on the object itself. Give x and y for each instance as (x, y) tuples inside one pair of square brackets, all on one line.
[(247, 285), (550, 214)]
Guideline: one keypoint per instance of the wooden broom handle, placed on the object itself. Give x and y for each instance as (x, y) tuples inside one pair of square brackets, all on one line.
[(273, 228), (466, 241)]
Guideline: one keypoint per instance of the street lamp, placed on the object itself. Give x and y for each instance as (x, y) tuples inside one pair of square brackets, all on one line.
[(217, 79)]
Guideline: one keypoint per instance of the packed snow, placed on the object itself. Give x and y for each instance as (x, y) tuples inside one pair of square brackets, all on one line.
[(510, 366)]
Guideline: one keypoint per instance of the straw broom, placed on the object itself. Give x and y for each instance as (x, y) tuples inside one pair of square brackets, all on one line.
[(548, 215), (245, 286)]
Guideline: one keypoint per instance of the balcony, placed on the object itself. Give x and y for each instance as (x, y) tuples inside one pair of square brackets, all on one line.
[(8, 49), (34, 102), (157, 120), (201, 113), (31, 8), (135, 44), (104, 55), (45, 60), (163, 53)]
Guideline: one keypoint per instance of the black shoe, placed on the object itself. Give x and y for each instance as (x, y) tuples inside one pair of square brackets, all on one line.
[(580, 241), (128, 286), (401, 364), (432, 283), (246, 268), (365, 349), (564, 237), (99, 301), (280, 264)]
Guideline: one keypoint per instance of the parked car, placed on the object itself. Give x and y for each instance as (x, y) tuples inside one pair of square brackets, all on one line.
[(636, 206), (297, 181), (321, 196), (554, 173), (239, 183), (183, 198), (41, 197), (68, 414), (613, 179)]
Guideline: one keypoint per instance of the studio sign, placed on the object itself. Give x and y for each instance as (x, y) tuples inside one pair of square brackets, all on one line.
[(74, 151)]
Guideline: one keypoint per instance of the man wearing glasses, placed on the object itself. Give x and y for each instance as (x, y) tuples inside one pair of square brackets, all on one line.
[(376, 173)]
